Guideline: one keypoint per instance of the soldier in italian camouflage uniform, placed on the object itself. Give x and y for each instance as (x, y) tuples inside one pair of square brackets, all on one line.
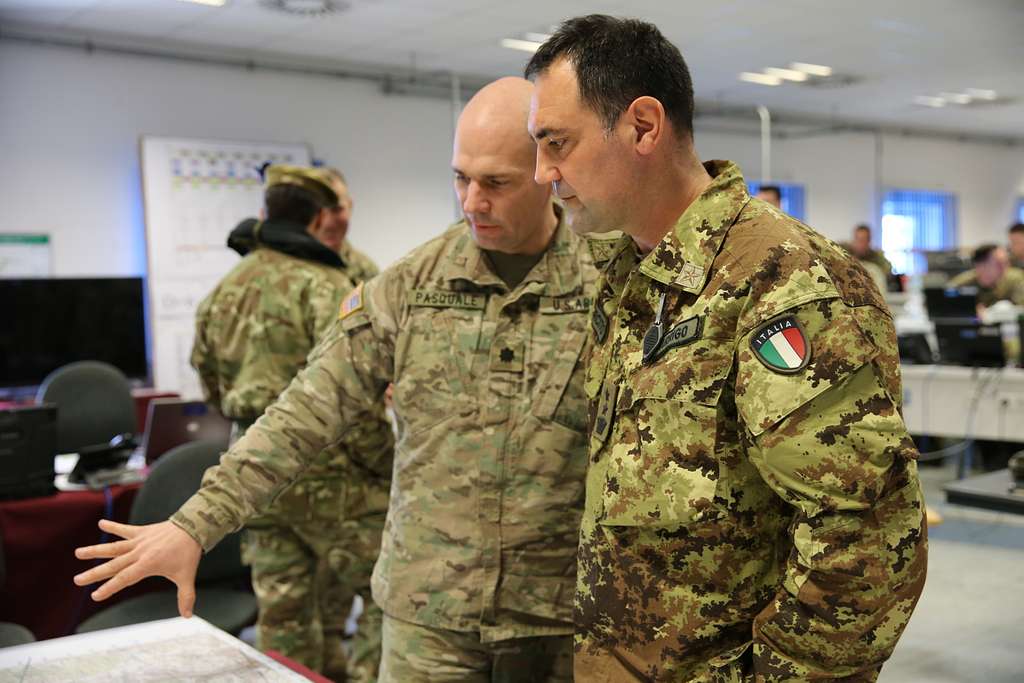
[(313, 549), (482, 331), (753, 510)]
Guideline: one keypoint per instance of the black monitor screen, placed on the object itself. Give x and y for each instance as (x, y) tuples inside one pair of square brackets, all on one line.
[(47, 323)]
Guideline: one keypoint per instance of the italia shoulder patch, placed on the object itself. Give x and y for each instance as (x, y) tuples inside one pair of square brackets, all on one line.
[(352, 303), (781, 346)]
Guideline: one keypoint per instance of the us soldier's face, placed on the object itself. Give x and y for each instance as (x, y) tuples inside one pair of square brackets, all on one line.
[(333, 224), (505, 209), (861, 242), (584, 162), (1017, 245)]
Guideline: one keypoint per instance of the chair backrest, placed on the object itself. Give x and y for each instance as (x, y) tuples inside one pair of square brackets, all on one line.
[(94, 404), (172, 481)]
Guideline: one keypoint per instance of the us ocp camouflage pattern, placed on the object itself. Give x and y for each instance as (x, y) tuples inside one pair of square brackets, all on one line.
[(743, 523), (1009, 288), (489, 468), (358, 266), (253, 334)]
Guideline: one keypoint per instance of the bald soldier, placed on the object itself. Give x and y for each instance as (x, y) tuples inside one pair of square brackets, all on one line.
[(313, 549), (753, 510), (482, 330)]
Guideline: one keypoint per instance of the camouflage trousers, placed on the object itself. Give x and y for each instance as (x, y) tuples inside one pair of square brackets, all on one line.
[(305, 575), (420, 654)]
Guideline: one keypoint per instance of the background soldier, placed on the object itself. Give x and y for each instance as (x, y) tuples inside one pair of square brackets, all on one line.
[(315, 546), (482, 330), (753, 509)]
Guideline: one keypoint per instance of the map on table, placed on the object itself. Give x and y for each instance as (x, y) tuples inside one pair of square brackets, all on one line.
[(176, 650)]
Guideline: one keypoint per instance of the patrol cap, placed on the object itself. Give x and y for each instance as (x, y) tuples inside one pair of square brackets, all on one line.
[(310, 179)]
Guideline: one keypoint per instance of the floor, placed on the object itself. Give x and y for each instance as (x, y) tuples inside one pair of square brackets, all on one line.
[(969, 624)]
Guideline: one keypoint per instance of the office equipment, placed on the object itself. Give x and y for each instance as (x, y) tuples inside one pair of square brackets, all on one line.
[(970, 343), (172, 422), (951, 303), (28, 444), (52, 322)]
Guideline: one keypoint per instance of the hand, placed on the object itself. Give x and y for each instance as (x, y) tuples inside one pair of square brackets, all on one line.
[(152, 550)]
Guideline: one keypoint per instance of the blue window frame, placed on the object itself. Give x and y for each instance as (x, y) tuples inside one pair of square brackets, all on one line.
[(915, 221), (792, 197)]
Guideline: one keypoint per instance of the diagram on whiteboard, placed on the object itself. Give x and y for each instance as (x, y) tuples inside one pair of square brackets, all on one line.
[(195, 192)]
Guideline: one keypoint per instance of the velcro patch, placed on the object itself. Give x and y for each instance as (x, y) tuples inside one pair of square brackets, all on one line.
[(440, 298), (681, 334), (352, 303), (565, 304), (781, 346)]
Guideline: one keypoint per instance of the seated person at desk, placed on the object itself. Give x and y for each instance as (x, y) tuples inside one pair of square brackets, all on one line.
[(771, 194), (992, 274), (1016, 239), (860, 248)]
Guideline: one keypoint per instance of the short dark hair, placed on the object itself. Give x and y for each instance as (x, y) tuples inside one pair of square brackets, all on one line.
[(982, 253), (772, 188), (291, 203), (865, 227), (618, 60), (1016, 228)]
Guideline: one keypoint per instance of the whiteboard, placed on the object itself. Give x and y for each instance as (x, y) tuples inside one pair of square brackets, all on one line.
[(195, 193)]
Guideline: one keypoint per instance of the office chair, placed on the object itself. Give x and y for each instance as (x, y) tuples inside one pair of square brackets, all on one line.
[(173, 479), (94, 404), (11, 634)]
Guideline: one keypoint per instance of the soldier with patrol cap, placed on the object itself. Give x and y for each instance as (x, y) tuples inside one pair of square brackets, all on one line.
[(753, 510), (313, 549), (482, 330)]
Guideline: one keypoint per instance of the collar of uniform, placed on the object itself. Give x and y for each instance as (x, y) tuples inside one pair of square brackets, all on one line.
[(558, 271), (345, 252), (684, 255)]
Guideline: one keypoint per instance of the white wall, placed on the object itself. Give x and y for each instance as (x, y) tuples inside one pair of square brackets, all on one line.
[(70, 123)]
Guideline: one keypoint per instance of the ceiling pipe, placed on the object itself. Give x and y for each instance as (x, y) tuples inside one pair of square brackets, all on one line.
[(766, 143)]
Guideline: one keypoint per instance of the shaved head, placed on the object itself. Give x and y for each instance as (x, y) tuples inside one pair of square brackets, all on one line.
[(493, 159)]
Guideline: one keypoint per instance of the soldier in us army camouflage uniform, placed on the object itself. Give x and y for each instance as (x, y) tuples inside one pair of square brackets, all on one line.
[(753, 510), (314, 548), (482, 330)]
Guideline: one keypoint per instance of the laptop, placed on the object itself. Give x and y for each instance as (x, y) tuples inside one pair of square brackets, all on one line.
[(28, 445), (971, 344), (171, 422), (959, 304)]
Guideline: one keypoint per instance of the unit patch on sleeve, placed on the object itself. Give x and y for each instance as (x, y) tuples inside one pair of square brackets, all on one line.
[(352, 303), (781, 346)]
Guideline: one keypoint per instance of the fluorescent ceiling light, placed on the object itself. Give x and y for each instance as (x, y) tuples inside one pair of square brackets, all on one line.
[(210, 3), (537, 37), (760, 79), (928, 101), (786, 74), (517, 44), (981, 94), (956, 97), (812, 69)]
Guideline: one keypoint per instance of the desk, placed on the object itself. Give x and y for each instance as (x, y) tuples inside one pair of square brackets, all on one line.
[(952, 401), (990, 491), (39, 537)]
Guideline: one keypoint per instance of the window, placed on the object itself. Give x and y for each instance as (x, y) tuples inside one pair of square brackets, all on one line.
[(792, 197), (915, 221), (1020, 210)]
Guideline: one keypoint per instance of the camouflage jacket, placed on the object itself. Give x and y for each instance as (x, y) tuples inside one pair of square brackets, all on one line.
[(489, 467), (752, 507), (358, 266), (1009, 288), (253, 334)]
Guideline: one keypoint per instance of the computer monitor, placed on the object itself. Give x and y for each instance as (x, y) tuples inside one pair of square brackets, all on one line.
[(971, 344), (944, 303), (171, 422), (28, 445), (46, 323)]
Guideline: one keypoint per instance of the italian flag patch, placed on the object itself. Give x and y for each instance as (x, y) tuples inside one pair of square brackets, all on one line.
[(781, 345)]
